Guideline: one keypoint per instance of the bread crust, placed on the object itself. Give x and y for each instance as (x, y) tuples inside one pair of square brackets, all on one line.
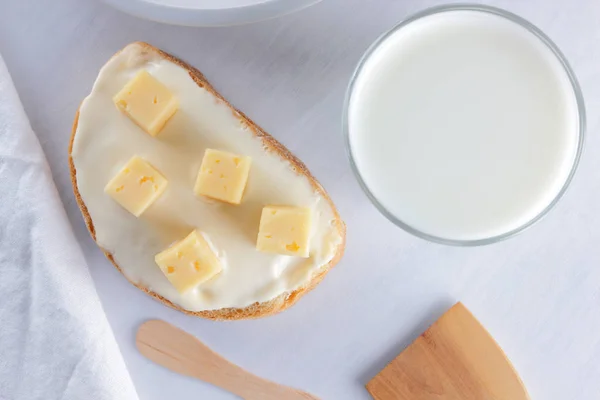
[(256, 310)]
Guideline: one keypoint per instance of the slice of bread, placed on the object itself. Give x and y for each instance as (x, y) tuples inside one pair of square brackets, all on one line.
[(255, 310)]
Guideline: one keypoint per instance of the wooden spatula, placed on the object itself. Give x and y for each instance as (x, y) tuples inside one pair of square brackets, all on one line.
[(183, 353), (455, 359)]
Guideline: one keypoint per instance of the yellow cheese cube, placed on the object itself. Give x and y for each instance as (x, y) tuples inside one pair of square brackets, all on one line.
[(147, 102), (189, 262), (284, 230), (223, 176), (136, 186)]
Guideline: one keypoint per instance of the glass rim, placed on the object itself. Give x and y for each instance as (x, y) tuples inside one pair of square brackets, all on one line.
[(503, 14)]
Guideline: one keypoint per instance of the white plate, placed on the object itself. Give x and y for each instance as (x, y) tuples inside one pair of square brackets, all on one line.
[(209, 12)]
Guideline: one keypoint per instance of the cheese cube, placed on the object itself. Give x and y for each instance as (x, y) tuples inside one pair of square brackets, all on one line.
[(284, 230), (147, 102), (136, 186), (189, 262), (223, 176)]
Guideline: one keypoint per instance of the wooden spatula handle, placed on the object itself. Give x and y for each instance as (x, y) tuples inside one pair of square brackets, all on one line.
[(183, 353), (246, 385)]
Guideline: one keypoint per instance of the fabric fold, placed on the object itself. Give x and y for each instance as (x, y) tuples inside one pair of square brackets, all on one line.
[(55, 340)]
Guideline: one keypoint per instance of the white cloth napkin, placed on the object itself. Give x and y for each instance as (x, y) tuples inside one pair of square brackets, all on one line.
[(55, 340)]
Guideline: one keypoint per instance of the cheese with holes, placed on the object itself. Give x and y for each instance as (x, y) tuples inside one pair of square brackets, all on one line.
[(136, 186), (189, 262), (285, 230), (223, 176), (147, 102)]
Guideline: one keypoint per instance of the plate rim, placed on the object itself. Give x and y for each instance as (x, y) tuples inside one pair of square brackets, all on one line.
[(202, 17)]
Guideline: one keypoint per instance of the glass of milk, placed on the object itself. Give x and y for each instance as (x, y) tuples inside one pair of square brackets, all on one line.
[(464, 124)]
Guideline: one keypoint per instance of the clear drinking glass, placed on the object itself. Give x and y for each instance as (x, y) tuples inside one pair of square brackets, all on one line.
[(511, 17)]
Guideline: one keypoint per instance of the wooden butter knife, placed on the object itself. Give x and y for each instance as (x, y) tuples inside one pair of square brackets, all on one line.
[(181, 352)]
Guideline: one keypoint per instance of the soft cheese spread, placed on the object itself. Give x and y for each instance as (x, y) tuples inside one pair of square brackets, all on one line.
[(106, 139)]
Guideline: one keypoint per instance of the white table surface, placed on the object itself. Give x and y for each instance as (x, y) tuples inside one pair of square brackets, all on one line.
[(538, 293)]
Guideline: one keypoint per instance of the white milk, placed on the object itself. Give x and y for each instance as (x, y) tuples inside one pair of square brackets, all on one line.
[(463, 125)]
